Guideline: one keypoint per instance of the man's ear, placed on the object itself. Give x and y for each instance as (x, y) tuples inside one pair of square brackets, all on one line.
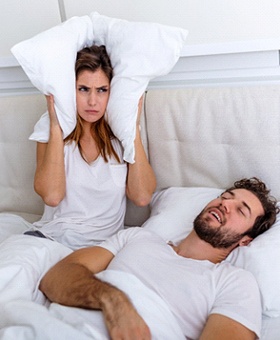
[(245, 241)]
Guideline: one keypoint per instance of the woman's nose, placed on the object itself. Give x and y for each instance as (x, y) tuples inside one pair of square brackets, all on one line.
[(92, 99)]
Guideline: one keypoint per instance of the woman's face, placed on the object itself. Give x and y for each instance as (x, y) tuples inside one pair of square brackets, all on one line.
[(92, 95)]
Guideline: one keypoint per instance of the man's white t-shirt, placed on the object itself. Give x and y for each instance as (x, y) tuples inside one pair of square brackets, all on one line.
[(193, 289), (94, 205)]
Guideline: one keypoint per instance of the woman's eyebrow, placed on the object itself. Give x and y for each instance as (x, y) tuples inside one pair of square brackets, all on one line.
[(81, 85), (102, 87)]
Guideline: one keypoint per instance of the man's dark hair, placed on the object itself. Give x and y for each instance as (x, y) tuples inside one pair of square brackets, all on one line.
[(269, 204)]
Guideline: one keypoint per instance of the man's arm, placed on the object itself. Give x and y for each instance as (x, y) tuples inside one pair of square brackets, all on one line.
[(71, 282), (220, 327)]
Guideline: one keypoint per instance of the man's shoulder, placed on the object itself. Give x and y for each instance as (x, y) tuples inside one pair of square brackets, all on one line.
[(138, 232), (128, 236), (235, 273)]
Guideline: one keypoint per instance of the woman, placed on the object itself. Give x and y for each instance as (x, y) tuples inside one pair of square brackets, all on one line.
[(83, 179)]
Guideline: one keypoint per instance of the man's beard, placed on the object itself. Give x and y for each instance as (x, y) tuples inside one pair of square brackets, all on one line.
[(219, 237)]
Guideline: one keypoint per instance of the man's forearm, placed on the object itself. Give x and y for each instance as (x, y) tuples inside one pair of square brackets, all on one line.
[(78, 287)]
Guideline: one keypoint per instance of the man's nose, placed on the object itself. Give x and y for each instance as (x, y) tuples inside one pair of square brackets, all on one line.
[(226, 206)]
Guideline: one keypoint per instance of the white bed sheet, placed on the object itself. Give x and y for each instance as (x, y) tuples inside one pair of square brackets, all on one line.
[(270, 328), (26, 314), (27, 320)]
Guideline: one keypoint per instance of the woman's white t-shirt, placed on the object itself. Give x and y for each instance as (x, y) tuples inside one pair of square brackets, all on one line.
[(94, 204)]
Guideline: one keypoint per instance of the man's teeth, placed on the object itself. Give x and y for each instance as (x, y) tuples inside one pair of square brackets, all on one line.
[(216, 216)]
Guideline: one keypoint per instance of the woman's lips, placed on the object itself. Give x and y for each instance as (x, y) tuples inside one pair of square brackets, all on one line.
[(92, 111)]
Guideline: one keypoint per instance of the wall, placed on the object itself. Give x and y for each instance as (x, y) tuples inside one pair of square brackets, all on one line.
[(22, 19), (208, 21), (232, 39)]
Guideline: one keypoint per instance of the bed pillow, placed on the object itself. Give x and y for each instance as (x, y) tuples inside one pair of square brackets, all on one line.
[(138, 52), (173, 210), (172, 213), (262, 258)]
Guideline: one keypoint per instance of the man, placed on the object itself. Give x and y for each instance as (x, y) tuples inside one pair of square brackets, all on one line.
[(210, 299)]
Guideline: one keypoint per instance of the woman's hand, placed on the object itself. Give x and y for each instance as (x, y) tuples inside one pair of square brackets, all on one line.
[(51, 110)]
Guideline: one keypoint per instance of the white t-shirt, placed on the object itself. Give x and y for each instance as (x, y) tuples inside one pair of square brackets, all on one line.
[(193, 289), (94, 204)]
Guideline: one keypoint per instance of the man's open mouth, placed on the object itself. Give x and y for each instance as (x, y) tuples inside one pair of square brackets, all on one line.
[(216, 215)]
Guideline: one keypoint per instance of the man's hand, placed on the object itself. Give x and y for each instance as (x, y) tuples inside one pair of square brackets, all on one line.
[(122, 320)]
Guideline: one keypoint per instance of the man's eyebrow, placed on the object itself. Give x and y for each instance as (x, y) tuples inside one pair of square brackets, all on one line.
[(247, 206), (243, 202), (230, 192)]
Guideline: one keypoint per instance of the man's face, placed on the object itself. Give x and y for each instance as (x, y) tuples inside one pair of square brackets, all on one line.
[(226, 219)]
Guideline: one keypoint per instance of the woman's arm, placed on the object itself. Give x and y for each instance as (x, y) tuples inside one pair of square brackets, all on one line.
[(72, 282), (141, 180), (49, 181)]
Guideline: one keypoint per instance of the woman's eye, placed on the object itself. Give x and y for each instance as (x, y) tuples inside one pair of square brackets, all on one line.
[(102, 89), (83, 89)]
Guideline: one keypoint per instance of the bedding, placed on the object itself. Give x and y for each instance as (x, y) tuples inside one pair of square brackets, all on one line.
[(25, 313), (28, 320), (49, 58), (25, 259), (270, 328)]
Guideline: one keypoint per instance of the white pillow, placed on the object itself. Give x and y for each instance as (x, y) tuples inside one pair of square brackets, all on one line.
[(173, 211), (262, 258), (138, 52)]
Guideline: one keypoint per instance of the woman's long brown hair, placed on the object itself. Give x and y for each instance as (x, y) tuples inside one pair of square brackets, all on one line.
[(94, 58)]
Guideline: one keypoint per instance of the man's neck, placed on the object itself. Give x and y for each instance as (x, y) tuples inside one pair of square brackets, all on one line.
[(195, 248)]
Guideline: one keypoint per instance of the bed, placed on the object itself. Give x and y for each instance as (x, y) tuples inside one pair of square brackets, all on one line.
[(199, 140)]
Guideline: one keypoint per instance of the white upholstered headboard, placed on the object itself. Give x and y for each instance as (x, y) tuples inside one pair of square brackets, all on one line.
[(201, 136), (213, 136)]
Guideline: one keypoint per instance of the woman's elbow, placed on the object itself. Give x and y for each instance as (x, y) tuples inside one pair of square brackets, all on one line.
[(141, 200), (51, 199)]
